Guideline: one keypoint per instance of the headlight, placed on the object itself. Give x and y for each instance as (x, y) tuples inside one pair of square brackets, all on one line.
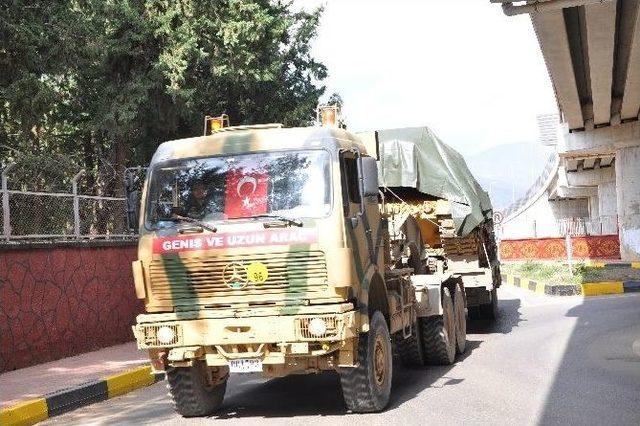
[(317, 327), (166, 335)]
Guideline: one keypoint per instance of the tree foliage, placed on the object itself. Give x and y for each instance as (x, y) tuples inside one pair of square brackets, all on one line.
[(104, 81)]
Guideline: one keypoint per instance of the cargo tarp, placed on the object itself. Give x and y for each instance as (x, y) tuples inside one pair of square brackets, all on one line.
[(416, 158)]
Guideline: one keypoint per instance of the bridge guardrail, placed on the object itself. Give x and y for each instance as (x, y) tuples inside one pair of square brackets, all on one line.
[(550, 167)]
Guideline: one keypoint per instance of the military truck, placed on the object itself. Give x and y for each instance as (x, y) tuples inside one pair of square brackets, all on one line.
[(278, 251)]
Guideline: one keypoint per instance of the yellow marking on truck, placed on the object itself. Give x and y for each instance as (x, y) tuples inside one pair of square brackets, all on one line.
[(25, 413), (257, 272), (122, 383)]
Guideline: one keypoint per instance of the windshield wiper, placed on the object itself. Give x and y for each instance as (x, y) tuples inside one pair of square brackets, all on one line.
[(179, 218), (288, 221)]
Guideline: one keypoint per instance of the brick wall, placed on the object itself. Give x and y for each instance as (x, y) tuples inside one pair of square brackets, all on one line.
[(62, 300)]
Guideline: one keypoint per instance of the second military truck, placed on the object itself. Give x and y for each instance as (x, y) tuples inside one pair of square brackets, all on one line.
[(287, 251)]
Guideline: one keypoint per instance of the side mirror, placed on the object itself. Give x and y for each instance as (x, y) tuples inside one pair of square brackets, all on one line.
[(133, 179), (133, 210), (369, 177)]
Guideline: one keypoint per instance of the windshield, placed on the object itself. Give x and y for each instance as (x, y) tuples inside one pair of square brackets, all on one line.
[(290, 184)]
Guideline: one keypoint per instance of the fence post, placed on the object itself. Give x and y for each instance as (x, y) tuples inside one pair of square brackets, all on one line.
[(76, 203), (6, 217), (569, 249)]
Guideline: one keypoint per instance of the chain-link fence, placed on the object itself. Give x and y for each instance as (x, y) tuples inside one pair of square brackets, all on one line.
[(59, 201)]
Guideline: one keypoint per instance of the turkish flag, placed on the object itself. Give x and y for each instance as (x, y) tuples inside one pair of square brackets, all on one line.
[(246, 193)]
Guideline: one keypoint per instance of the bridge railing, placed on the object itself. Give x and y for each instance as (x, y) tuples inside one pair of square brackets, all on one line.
[(549, 168), (581, 226)]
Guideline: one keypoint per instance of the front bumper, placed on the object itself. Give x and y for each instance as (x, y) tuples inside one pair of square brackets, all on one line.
[(274, 338)]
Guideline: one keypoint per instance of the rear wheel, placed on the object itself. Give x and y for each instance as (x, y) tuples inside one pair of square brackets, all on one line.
[(461, 320), (410, 350), (192, 392), (366, 387), (439, 333)]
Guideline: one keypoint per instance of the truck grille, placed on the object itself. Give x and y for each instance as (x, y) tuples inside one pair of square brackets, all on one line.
[(184, 280)]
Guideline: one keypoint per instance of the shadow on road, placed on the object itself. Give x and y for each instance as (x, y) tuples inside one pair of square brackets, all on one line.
[(409, 382), (286, 397), (509, 317), (252, 398), (321, 395), (598, 379)]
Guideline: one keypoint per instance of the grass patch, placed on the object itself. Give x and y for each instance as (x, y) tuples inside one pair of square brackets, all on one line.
[(560, 273)]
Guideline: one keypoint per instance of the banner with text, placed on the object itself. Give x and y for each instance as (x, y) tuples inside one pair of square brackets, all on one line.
[(269, 237)]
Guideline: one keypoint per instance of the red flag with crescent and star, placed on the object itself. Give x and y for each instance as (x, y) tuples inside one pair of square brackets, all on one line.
[(246, 193)]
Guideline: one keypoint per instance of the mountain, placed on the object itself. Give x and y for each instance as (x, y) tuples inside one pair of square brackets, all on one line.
[(507, 171)]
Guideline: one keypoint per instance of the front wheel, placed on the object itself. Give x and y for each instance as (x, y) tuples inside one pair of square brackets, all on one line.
[(366, 387), (191, 391)]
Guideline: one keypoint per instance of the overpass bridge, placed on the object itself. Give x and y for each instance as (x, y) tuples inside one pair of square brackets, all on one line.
[(592, 52)]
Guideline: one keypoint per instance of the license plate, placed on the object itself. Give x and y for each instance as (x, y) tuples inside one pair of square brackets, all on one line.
[(245, 365)]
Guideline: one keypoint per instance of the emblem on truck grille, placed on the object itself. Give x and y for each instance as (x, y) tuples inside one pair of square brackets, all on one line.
[(234, 275)]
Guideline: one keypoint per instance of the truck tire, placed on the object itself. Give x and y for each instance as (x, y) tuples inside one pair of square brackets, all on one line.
[(367, 386), (409, 350), (191, 394), (439, 334), (490, 310), (461, 320)]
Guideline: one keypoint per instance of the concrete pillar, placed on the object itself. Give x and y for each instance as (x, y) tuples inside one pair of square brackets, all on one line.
[(628, 201), (594, 207), (607, 199), (608, 208)]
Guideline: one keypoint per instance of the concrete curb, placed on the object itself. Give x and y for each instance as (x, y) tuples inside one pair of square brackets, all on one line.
[(598, 264), (35, 410), (585, 289)]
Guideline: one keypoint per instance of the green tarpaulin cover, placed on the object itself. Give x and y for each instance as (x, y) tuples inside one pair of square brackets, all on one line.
[(415, 157)]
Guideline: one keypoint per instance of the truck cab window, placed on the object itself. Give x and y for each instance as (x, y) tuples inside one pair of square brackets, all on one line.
[(292, 184), (350, 186)]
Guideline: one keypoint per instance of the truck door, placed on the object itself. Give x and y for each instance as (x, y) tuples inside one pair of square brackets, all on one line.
[(362, 218)]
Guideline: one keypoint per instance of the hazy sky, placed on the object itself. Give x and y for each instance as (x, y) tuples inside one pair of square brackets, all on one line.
[(473, 75)]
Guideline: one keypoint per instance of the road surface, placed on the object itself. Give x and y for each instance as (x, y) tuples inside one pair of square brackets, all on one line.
[(546, 361)]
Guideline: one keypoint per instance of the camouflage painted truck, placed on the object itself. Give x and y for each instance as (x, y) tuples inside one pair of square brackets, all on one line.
[(272, 250)]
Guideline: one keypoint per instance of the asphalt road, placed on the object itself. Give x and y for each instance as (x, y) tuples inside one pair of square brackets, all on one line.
[(546, 361)]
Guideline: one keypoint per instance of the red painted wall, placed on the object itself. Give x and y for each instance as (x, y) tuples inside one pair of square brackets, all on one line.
[(59, 301), (590, 247)]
